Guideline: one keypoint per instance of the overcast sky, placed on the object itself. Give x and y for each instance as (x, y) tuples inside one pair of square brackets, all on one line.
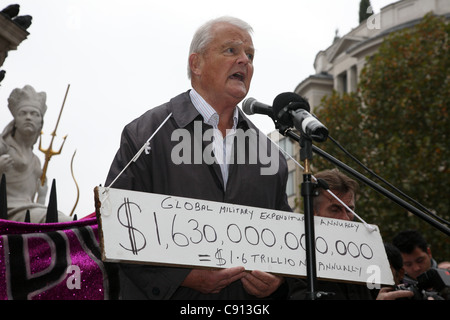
[(122, 58)]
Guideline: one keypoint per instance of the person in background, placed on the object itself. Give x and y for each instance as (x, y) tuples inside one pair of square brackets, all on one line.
[(325, 205), (396, 262), (418, 259), (398, 272), (416, 254)]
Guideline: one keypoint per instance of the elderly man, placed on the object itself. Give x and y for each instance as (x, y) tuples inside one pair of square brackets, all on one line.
[(220, 69)]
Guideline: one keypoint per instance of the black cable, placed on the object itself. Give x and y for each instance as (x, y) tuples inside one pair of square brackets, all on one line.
[(387, 183)]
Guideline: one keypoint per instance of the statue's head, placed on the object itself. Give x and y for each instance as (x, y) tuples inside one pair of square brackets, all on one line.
[(29, 101), (27, 97)]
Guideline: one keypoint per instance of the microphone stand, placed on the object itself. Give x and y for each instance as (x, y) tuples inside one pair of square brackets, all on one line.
[(307, 191), (284, 120)]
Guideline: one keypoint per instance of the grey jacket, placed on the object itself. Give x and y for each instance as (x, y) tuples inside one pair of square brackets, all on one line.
[(157, 173)]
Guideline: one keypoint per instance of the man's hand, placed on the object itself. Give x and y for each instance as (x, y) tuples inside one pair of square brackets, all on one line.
[(212, 281), (261, 284), (387, 293)]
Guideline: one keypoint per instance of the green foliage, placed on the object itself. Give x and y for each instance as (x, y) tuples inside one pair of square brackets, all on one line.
[(363, 5), (398, 125)]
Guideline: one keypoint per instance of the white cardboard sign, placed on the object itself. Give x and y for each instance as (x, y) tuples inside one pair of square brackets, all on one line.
[(151, 228)]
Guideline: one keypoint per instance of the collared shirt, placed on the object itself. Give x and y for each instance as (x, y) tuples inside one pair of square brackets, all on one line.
[(222, 146)]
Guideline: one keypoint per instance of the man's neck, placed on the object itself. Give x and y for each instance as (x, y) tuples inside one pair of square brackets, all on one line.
[(225, 111)]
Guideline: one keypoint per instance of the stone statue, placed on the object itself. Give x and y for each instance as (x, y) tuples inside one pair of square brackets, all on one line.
[(22, 168)]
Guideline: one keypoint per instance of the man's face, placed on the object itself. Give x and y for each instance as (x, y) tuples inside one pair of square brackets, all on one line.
[(28, 120), (416, 262), (327, 206), (225, 70)]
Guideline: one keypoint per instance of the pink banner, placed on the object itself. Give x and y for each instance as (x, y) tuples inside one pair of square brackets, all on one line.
[(54, 261)]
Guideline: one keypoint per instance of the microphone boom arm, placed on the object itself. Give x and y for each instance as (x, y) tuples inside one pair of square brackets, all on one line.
[(291, 134)]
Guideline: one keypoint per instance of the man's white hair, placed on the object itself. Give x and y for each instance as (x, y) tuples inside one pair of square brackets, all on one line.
[(203, 35)]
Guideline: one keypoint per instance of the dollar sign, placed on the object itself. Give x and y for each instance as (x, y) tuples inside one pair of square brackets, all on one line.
[(125, 211), (218, 255)]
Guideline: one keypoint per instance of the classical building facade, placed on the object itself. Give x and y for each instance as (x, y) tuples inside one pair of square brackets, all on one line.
[(13, 30), (338, 67)]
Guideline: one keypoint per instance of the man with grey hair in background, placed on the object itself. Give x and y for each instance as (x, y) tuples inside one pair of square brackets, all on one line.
[(325, 205), (220, 69)]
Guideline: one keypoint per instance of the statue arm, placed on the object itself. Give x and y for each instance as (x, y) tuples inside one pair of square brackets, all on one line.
[(6, 162)]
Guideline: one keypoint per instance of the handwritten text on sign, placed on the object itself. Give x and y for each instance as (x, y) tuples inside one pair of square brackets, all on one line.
[(160, 229)]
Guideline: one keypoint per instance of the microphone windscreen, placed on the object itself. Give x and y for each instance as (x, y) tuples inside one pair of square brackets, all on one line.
[(247, 106), (286, 98)]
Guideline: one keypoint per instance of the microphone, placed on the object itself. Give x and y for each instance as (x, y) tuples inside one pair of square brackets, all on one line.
[(290, 109), (252, 106), (308, 124)]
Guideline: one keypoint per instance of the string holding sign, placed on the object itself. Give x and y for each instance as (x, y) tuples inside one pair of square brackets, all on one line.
[(145, 147), (368, 226)]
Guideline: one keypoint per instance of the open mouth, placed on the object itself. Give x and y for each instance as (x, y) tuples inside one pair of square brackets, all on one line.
[(237, 76)]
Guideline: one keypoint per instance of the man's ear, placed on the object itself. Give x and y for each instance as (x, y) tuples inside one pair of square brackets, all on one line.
[(195, 63)]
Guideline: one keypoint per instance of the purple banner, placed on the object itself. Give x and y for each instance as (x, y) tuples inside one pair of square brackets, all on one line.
[(53, 261)]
